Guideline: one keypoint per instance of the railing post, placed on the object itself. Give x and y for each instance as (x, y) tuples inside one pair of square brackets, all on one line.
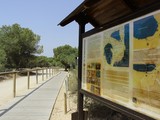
[(49, 72), (28, 74), (56, 70), (46, 73), (14, 84), (65, 103), (52, 71), (37, 76), (42, 74)]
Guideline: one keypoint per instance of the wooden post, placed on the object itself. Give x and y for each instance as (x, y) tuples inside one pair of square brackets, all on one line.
[(52, 71), (49, 72), (28, 74), (14, 84), (65, 103), (43, 74), (37, 76), (81, 23), (55, 71), (46, 73)]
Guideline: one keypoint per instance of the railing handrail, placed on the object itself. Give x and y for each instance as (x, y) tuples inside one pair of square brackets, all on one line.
[(12, 72), (28, 70), (48, 74)]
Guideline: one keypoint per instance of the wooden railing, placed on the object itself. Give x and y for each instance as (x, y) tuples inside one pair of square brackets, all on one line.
[(45, 75)]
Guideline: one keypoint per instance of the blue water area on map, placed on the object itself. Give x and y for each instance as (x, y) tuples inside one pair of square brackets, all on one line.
[(107, 49), (144, 67), (108, 53), (126, 37), (116, 35), (145, 27)]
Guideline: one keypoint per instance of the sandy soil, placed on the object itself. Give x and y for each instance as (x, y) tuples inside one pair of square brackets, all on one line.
[(6, 87), (6, 96)]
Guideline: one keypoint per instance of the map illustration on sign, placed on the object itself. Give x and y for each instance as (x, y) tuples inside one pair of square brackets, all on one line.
[(116, 62), (116, 50), (146, 61)]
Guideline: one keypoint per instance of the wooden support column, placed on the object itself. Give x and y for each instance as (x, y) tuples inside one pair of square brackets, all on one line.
[(80, 95)]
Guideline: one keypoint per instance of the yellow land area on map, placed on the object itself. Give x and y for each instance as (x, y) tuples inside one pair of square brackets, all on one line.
[(115, 83), (146, 64)]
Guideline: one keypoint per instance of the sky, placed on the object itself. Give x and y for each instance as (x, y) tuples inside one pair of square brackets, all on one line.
[(42, 17)]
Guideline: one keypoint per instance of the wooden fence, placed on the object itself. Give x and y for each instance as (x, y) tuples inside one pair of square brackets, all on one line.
[(39, 72)]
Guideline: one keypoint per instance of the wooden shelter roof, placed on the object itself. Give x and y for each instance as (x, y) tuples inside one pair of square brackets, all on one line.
[(101, 12)]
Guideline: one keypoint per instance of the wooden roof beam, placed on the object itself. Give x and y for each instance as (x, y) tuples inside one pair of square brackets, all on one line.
[(131, 4)]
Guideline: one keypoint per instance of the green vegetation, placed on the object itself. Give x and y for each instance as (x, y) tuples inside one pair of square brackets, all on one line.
[(98, 111), (73, 81), (2, 59), (41, 61), (18, 47), (73, 88), (65, 56)]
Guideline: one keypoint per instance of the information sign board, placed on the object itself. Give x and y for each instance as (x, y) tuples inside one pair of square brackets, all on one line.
[(122, 64)]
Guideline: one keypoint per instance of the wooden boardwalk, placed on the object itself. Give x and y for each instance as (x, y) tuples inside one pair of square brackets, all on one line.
[(38, 104)]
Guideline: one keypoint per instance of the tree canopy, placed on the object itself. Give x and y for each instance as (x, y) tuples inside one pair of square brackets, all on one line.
[(65, 55), (18, 45), (2, 59)]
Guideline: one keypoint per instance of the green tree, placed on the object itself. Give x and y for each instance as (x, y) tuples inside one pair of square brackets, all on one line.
[(65, 56), (41, 61), (51, 61), (2, 59), (19, 44)]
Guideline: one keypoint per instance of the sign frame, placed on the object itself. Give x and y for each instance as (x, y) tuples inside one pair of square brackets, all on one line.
[(113, 105)]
